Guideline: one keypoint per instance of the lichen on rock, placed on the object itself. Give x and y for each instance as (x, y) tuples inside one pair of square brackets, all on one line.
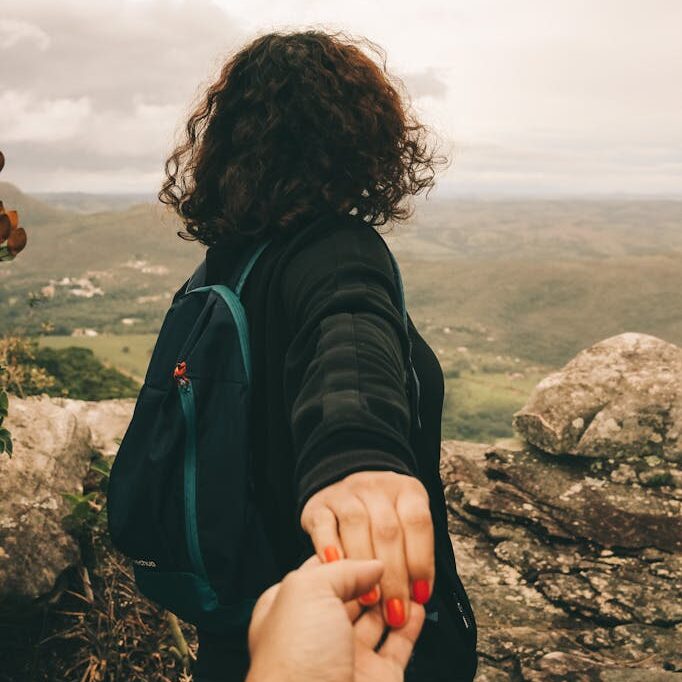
[(54, 441), (620, 398)]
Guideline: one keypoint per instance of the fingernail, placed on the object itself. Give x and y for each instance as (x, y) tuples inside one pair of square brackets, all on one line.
[(420, 591), (371, 598), (331, 554), (395, 612)]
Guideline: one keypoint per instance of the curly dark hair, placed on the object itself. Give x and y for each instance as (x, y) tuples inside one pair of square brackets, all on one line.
[(297, 123)]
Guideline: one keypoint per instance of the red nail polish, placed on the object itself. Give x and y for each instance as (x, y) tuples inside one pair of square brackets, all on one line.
[(331, 554), (420, 591), (371, 598), (395, 612)]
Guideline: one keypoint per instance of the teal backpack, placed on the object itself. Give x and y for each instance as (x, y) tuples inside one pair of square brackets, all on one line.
[(180, 497)]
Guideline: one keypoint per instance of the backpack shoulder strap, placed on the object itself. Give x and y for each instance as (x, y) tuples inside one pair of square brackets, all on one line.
[(252, 258), (239, 274)]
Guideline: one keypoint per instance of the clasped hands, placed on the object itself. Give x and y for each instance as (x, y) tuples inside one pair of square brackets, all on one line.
[(374, 567)]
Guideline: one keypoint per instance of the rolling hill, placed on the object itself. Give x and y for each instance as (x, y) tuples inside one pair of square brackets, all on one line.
[(503, 290), (534, 279)]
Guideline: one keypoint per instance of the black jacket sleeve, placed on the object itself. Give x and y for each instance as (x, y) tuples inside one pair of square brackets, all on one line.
[(345, 370)]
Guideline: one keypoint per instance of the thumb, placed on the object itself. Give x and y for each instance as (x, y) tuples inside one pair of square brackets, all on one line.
[(348, 578)]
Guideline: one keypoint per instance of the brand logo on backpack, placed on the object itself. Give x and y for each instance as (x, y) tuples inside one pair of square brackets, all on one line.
[(147, 563)]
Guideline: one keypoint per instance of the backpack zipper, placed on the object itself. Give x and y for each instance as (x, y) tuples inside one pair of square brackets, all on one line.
[(465, 618), (186, 392)]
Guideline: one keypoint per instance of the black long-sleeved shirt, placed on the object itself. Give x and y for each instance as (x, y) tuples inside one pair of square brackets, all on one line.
[(328, 352)]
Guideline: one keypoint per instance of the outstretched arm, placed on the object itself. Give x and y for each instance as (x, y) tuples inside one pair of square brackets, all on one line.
[(345, 387)]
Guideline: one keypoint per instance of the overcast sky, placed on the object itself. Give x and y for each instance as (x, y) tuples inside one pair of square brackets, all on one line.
[(530, 96)]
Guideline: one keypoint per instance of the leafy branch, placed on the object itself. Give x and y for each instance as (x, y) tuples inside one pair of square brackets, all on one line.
[(12, 241)]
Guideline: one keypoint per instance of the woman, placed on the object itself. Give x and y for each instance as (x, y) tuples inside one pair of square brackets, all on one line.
[(304, 140)]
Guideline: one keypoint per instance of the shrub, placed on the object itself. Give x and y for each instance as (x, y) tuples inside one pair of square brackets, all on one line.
[(68, 372)]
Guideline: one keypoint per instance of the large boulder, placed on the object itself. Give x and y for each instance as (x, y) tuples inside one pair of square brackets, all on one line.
[(54, 441), (572, 540), (572, 576), (621, 398)]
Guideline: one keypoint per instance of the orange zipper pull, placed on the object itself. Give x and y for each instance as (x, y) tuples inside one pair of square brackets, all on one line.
[(179, 371)]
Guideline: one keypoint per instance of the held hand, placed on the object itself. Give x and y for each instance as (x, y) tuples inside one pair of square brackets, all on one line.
[(302, 630), (382, 515)]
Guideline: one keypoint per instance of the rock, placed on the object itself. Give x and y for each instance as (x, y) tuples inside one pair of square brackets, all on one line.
[(52, 452), (54, 441), (573, 564), (567, 501), (621, 397), (572, 576), (106, 419)]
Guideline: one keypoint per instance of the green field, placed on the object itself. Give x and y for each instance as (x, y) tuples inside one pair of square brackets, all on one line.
[(479, 405), (129, 353)]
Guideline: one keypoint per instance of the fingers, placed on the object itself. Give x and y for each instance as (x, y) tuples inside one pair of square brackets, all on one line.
[(353, 608), (261, 610), (266, 598), (399, 643), (310, 562), (341, 531), (347, 579), (414, 513), (383, 515), (387, 539), (356, 538), (369, 628), (320, 523)]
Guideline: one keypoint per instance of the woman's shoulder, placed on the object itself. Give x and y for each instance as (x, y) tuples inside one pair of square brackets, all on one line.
[(338, 241), (323, 237), (339, 263)]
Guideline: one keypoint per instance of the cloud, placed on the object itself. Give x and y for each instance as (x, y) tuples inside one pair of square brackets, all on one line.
[(109, 83), (576, 95), (537, 165), (425, 83), (112, 50), (24, 118), (13, 32)]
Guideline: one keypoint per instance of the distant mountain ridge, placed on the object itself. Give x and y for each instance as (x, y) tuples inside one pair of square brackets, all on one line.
[(85, 202), (32, 210)]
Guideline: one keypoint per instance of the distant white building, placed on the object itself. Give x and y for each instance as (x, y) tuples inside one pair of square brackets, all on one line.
[(143, 266), (83, 287), (82, 331)]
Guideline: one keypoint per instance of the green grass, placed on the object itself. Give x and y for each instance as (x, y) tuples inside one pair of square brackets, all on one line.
[(482, 392), (110, 349), (479, 405)]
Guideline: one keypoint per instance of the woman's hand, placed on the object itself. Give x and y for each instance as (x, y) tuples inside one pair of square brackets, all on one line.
[(382, 515), (302, 630)]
